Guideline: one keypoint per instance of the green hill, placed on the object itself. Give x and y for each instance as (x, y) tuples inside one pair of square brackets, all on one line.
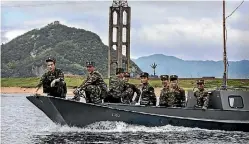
[(24, 56)]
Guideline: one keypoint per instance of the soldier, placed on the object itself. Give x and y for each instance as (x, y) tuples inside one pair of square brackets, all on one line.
[(166, 98), (94, 86), (116, 87), (148, 96), (130, 89), (201, 95), (53, 81), (177, 92)]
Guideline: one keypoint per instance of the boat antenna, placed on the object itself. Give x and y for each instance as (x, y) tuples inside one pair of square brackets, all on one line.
[(224, 49), (225, 77)]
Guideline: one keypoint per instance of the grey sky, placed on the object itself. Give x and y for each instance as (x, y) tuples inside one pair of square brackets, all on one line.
[(188, 30)]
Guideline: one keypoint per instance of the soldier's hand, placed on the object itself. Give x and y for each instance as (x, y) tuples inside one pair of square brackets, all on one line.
[(76, 91), (137, 104), (36, 94)]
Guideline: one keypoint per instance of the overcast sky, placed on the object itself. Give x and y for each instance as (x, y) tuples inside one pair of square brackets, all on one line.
[(188, 30)]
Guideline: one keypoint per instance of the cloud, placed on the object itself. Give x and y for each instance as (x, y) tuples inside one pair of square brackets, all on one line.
[(14, 33), (189, 30), (184, 37)]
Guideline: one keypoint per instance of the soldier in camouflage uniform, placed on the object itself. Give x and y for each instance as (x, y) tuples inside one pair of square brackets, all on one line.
[(94, 86), (201, 95), (177, 92), (166, 98), (116, 87), (53, 81), (148, 96), (129, 90)]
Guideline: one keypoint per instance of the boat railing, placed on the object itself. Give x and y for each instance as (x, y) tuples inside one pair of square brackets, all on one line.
[(238, 88)]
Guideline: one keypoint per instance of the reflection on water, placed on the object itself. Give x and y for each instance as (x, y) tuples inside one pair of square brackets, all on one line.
[(23, 123)]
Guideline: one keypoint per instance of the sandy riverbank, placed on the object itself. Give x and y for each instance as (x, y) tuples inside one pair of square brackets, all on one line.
[(19, 90)]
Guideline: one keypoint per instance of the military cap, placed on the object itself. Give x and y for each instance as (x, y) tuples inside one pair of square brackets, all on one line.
[(201, 81), (90, 63), (50, 59), (164, 77), (144, 74), (173, 77), (119, 70), (126, 74)]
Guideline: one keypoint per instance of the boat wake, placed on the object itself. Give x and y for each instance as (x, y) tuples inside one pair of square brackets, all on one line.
[(117, 132), (108, 126)]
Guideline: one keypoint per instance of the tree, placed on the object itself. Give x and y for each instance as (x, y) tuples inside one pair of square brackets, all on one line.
[(153, 66)]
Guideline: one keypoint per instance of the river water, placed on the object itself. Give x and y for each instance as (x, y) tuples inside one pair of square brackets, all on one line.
[(23, 123)]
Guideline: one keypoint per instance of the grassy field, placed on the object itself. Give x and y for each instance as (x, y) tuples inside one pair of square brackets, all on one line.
[(76, 81)]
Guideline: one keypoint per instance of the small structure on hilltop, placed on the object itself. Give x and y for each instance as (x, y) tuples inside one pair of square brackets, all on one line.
[(56, 22)]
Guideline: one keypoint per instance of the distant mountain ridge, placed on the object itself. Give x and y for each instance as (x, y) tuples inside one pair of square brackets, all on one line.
[(192, 68)]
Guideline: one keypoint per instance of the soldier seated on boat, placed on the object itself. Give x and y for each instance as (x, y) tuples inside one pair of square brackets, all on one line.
[(129, 90), (116, 87), (201, 95), (148, 96), (94, 86), (177, 92), (53, 81), (166, 98)]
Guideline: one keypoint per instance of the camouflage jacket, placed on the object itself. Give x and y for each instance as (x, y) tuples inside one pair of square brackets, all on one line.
[(202, 97), (49, 76), (148, 96), (116, 86), (128, 94), (94, 78), (133, 87), (166, 98), (179, 96)]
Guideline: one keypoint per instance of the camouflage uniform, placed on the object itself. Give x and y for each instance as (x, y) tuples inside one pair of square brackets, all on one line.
[(178, 93), (166, 98), (148, 96), (60, 88), (116, 87), (94, 86), (129, 91), (202, 96)]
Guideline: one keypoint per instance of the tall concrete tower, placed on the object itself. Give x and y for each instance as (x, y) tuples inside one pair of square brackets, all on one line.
[(119, 36)]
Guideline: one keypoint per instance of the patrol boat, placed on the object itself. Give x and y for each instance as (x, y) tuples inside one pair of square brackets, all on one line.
[(228, 110)]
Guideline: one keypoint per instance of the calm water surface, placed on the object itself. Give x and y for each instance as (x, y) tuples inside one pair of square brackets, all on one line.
[(23, 123)]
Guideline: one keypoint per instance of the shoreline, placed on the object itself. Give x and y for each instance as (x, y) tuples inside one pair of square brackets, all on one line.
[(20, 90)]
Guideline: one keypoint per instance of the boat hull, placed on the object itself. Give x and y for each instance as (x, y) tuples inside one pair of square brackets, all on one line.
[(72, 113)]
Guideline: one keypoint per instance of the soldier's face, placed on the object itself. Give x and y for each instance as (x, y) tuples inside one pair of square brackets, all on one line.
[(200, 86), (90, 69), (50, 66), (121, 75), (174, 83), (126, 79), (165, 82), (144, 79)]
